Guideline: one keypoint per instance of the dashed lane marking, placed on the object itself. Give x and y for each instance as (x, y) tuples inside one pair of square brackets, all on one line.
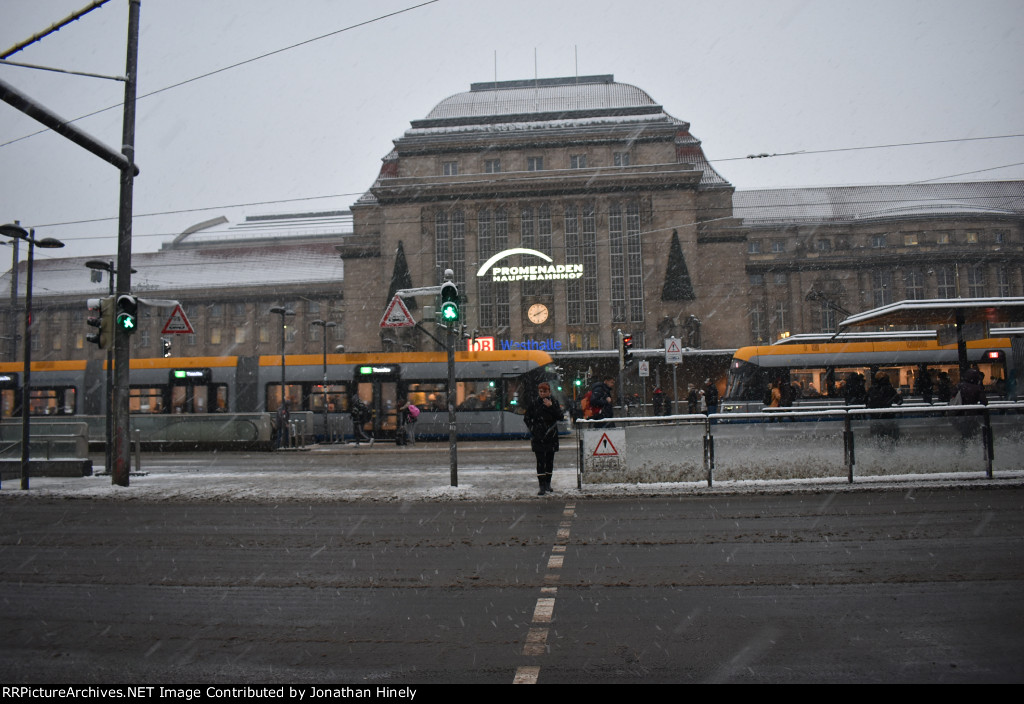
[(537, 638)]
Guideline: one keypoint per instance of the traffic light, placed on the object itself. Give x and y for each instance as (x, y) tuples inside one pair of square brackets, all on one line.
[(450, 304), (166, 345), (627, 348), (127, 313), (103, 320)]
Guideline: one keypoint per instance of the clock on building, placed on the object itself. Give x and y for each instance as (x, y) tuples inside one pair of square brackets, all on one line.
[(538, 313)]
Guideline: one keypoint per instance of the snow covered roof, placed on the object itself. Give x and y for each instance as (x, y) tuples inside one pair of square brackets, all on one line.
[(264, 251), (575, 106), (542, 104), (500, 101), (291, 226), (941, 311), (878, 202)]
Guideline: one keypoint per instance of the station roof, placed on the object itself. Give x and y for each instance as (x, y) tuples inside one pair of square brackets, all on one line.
[(848, 204), (941, 311), (267, 250)]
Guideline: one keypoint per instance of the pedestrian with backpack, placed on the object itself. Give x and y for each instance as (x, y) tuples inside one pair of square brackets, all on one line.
[(361, 415), (408, 413)]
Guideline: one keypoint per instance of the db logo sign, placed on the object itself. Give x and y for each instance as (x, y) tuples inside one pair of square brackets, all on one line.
[(480, 344)]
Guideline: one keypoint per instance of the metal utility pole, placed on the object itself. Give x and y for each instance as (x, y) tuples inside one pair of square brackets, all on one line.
[(449, 297), (326, 325), (284, 313), (122, 348), (125, 161)]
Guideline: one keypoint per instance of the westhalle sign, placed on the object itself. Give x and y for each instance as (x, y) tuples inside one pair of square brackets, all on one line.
[(541, 272)]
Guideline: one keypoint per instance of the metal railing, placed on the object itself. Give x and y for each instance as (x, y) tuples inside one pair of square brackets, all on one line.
[(803, 442)]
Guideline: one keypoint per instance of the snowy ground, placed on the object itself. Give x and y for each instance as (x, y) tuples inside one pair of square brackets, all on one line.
[(326, 476)]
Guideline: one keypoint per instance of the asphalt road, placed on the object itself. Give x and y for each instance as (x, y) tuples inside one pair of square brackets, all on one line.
[(914, 585)]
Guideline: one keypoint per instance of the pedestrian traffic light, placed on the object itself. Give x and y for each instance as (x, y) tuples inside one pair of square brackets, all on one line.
[(102, 320), (127, 313), (449, 303)]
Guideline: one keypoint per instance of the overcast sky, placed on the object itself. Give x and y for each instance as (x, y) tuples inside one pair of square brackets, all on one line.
[(312, 122)]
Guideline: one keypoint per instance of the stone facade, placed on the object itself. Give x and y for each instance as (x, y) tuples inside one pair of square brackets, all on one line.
[(815, 255), (589, 172)]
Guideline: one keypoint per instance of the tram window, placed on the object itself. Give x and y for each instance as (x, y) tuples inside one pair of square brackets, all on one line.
[(219, 399), (476, 396), (337, 398), (7, 400), (514, 396), (428, 396), (294, 392), (145, 400), (199, 398), (810, 382), (845, 376), (52, 402)]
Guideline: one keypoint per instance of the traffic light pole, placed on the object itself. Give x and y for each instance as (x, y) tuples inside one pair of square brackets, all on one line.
[(453, 450), (450, 316), (108, 446), (122, 349)]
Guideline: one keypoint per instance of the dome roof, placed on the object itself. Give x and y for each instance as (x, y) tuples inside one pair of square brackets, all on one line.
[(550, 95), (539, 102)]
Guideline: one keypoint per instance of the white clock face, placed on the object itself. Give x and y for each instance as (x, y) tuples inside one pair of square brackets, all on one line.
[(538, 313)]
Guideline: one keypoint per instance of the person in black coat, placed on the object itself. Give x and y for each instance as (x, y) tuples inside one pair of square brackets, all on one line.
[(882, 394), (970, 392), (601, 400), (541, 419)]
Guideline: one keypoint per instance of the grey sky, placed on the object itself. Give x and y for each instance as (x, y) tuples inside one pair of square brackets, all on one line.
[(750, 76)]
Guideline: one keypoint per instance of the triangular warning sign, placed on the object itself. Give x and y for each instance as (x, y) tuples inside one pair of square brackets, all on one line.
[(397, 315), (605, 448), (673, 346), (178, 323)]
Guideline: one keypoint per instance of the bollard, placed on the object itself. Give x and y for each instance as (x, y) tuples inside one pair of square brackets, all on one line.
[(709, 452), (986, 440), (848, 456), (138, 450)]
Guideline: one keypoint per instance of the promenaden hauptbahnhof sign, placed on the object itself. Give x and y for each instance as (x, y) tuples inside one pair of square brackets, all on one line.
[(541, 272)]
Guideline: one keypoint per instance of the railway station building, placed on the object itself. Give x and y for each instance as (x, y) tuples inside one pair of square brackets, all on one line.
[(571, 208), (568, 209)]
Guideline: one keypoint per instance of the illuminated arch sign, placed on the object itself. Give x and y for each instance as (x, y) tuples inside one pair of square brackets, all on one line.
[(540, 272)]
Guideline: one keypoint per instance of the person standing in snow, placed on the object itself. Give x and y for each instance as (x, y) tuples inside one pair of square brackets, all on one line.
[(541, 419), (601, 399)]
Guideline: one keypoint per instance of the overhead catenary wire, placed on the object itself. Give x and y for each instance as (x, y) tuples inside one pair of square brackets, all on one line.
[(230, 66)]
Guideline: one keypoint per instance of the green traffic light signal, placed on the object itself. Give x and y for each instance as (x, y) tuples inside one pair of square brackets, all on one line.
[(127, 313), (449, 302)]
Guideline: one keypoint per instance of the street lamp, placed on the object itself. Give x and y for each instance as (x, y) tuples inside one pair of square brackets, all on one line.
[(17, 232), (325, 326), (284, 313)]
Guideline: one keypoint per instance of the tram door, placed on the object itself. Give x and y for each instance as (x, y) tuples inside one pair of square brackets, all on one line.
[(378, 387), (191, 392)]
